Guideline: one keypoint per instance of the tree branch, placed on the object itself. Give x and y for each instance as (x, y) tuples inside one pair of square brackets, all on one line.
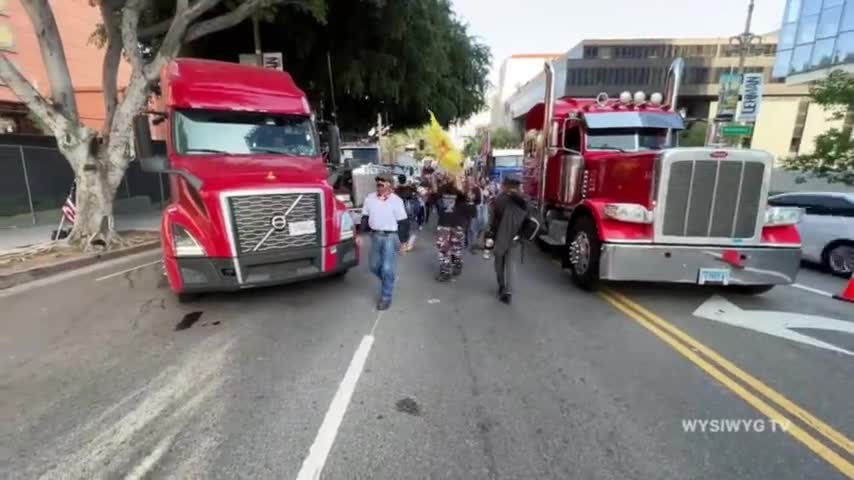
[(112, 60), (226, 20), (53, 56), (159, 28), (25, 91), (175, 36), (130, 41)]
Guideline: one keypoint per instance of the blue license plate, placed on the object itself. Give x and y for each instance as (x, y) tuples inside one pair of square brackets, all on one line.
[(716, 276)]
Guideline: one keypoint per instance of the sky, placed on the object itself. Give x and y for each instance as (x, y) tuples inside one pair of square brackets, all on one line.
[(545, 26)]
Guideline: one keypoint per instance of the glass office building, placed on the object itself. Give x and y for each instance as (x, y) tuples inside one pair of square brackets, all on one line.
[(816, 35)]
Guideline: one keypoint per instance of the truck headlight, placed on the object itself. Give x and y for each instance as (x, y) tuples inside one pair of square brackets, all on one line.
[(347, 230), (185, 244), (777, 216), (628, 212)]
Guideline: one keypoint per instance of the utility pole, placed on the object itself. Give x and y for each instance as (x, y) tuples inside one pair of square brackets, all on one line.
[(256, 34)]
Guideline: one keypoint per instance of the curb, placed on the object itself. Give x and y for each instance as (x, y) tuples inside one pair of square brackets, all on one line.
[(17, 278)]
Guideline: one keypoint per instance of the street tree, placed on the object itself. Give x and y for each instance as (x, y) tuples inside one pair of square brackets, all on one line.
[(833, 156), (148, 34), (398, 58)]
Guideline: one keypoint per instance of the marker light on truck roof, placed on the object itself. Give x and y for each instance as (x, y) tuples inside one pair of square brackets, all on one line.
[(656, 99), (640, 97), (626, 97), (602, 99)]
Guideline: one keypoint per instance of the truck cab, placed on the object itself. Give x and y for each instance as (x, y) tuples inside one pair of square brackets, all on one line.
[(249, 204), (622, 201)]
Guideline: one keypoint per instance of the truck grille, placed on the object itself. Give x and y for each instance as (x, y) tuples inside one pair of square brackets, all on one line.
[(713, 198), (252, 221)]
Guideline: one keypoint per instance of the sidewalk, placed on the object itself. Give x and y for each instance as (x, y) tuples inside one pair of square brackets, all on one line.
[(11, 238)]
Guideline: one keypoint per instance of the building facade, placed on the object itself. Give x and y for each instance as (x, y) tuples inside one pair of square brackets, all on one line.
[(787, 121), (76, 20), (816, 36)]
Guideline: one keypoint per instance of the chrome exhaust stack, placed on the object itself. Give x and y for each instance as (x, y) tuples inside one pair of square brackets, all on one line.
[(671, 88), (548, 116)]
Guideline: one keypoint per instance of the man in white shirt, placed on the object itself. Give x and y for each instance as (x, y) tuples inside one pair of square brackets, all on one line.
[(384, 214)]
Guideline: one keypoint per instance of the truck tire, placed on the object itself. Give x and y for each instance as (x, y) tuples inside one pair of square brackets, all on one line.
[(750, 289), (583, 251)]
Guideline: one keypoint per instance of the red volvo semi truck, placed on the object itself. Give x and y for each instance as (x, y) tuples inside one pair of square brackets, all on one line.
[(622, 201), (249, 203)]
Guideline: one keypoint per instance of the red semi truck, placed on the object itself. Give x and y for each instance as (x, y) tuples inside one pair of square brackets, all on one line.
[(250, 204), (622, 201)]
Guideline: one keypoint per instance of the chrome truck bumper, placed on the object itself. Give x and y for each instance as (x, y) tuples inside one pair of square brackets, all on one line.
[(682, 264)]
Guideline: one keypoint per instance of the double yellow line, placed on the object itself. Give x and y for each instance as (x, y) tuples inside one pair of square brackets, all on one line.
[(815, 434)]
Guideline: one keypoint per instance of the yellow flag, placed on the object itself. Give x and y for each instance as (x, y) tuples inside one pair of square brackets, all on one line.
[(449, 157)]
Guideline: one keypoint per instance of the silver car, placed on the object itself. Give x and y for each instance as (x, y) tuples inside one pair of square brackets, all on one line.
[(827, 228)]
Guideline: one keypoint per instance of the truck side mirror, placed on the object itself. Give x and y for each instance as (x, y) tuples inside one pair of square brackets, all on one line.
[(142, 141), (334, 139), (155, 164)]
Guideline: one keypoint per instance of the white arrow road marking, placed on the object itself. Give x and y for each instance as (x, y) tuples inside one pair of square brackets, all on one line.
[(778, 324)]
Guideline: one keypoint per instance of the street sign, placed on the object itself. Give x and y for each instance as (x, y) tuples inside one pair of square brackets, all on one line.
[(728, 97), (737, 130), (778, 324), (272, 60), (751, 97)]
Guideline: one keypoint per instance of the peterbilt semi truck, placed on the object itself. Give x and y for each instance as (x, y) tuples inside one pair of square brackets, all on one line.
[(621, 201), (250, 204)]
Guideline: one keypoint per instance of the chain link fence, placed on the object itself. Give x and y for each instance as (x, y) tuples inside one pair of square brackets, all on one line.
[(36, 180)]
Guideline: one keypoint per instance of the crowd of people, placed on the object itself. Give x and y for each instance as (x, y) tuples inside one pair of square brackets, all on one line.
[(470, 215)]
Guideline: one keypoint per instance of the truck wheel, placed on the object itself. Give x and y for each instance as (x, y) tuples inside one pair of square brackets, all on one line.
[(584, 250), (750, 289)]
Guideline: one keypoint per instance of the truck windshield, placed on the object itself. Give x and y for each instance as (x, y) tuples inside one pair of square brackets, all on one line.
[(508, 161), (199, 132), (361, 156), (627, 139)]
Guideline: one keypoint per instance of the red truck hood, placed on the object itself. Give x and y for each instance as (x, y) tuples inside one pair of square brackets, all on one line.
[(240, 171)]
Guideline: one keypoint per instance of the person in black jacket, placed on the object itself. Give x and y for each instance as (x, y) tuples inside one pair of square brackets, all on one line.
[(453, 215), (509, 212)]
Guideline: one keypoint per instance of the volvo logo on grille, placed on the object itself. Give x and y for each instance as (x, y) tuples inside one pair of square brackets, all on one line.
[(278, 222)]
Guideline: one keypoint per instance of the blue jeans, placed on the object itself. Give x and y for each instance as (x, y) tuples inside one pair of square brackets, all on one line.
[(383, 261)]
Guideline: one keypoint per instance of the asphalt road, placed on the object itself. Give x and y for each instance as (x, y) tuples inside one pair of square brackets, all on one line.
[(104, 375)]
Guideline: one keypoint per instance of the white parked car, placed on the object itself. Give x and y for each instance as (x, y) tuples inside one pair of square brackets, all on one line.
[(827, 228)]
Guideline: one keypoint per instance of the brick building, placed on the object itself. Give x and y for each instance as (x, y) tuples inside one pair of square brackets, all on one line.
[(76, 20)]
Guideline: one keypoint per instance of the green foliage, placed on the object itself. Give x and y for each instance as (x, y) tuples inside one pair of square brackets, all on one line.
[(399, 58), (501, 138), (832, 159), (694, 135), (833, 156)]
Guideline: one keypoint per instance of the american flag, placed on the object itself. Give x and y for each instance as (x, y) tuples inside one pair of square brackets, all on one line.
[(69, 210)]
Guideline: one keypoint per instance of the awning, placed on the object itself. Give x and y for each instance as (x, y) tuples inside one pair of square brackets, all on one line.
[(633, 119)]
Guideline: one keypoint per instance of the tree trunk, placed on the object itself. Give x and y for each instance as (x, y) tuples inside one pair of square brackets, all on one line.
[(97, 182)]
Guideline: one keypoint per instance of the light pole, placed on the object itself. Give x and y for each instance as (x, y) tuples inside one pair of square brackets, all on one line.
[(745, 42)]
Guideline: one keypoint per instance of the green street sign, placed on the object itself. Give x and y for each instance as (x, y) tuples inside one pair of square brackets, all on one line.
[(737, 130)]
